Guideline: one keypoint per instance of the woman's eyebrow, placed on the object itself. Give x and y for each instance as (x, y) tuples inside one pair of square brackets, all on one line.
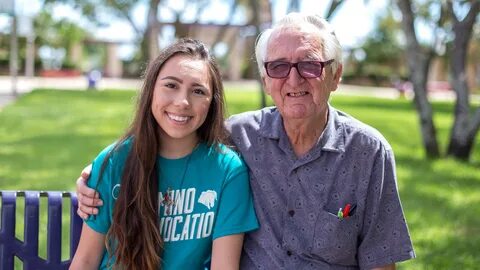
[(199, 85), (181, 81), (172, 78)]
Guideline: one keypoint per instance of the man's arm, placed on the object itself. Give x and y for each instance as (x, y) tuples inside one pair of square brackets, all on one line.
[(88, 199)]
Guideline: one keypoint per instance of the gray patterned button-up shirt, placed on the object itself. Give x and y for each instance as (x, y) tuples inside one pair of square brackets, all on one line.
[(297, 199)]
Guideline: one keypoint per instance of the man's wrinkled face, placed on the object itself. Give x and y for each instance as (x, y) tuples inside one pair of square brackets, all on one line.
[(297, 97)]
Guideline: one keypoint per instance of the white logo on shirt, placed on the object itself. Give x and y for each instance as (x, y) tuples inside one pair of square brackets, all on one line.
[(208, 198), (115, 191)]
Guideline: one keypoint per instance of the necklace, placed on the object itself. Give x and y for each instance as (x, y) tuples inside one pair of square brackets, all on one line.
[(167, 200)]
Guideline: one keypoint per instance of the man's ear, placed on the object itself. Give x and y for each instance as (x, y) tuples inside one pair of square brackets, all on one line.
[(264, 85), (337, 77), (338, 74)]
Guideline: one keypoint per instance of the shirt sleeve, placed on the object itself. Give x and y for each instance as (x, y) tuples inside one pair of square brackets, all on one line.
[(385, 238), (101, 181), (236, 213)]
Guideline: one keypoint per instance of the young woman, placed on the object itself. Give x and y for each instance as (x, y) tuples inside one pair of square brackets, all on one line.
[(174, 197)]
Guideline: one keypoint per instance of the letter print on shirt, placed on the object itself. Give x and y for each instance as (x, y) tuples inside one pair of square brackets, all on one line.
[(181, 221)]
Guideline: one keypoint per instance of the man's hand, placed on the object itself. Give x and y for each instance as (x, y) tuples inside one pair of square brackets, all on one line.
[(88, 199)]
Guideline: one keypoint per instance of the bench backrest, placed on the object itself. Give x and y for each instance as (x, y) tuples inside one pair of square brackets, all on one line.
[(27, 250)]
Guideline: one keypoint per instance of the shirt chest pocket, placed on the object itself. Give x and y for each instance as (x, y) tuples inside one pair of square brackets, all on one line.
[(335, 240)]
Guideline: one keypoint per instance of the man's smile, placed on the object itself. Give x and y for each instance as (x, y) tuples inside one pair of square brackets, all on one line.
[(297, 94)]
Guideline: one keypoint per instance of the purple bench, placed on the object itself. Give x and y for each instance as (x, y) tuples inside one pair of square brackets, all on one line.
[(27, 251)]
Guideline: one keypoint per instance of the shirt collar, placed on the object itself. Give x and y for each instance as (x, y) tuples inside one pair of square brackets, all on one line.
[(271, 124), (332, 138)]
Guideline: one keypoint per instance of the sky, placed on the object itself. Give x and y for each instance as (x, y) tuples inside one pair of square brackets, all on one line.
[(352, 22)]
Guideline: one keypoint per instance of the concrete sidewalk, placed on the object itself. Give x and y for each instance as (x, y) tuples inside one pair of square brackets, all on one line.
[(5, 100), (25, 85)]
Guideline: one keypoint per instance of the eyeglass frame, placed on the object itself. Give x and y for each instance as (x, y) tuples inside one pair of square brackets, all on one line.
[(295, 65)]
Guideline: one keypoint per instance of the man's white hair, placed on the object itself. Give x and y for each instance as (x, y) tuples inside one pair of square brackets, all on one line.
[(331, 45)]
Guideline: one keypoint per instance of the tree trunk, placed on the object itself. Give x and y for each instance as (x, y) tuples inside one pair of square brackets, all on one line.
[(221, 33), (262, 14), (462, 147), (293, 6), (333, 7), (419, 66), (459, 144), (14, 55), (463, 130), (419, 63), (152, 31)]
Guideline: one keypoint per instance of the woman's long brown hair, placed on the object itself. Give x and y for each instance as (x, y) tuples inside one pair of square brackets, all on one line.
[(134, 239)]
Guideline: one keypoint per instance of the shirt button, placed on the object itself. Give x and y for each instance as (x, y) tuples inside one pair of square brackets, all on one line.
[(289, 253), (291, 213)]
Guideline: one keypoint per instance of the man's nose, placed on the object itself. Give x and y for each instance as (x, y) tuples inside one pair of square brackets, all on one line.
[(294, 78)]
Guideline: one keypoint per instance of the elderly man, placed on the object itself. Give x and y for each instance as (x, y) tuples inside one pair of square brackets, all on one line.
[(324, 184)]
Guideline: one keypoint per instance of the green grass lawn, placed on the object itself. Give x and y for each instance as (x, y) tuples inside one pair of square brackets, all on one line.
[(47, 137)]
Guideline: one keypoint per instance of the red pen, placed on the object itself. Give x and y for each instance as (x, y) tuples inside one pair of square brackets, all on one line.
[(346, 210)]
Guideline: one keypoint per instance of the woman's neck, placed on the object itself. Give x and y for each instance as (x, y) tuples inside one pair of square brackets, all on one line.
[(304, 133), (177, 148)]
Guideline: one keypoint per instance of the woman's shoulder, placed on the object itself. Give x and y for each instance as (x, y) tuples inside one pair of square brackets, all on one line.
[(116, 150), (109, 163), (226, 156)]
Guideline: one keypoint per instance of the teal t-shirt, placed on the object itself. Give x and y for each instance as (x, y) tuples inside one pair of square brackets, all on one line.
[(202, 196)]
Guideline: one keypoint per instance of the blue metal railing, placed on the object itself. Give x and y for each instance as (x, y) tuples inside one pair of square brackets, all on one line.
[(27, 250)]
